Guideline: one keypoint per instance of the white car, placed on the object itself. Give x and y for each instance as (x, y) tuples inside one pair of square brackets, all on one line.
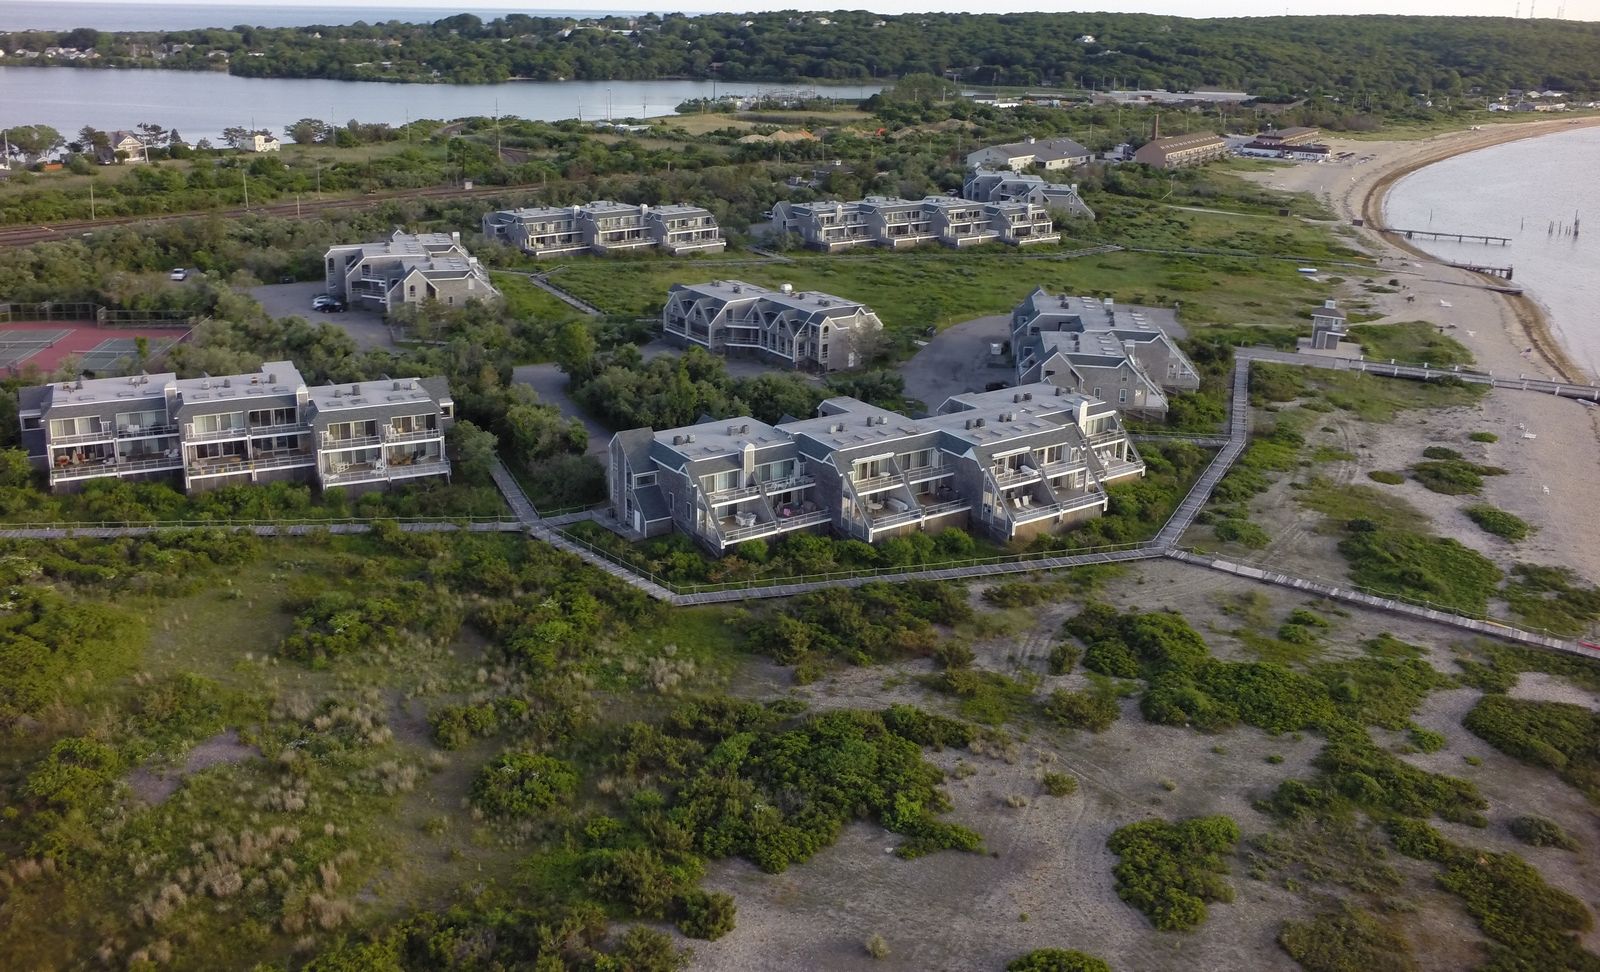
[(178, 273), (320, 301)]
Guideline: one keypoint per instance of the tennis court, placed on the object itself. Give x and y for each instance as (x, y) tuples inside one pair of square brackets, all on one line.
[(17, 346), (94, 350), (108, 353)]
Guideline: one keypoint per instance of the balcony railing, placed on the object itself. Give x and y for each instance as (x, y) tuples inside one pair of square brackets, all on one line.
[(192, 434), (329, 443), (145, 431), (736, 534), (111, 466), (80, 438), (1101, 438), (787, 483), (873, 484), (415, 435), (199, 468), (723, 497), (1015, 477), (950, 506), (925, 473), (266, 430), (370, 473), (1028, 514), (886, 521)]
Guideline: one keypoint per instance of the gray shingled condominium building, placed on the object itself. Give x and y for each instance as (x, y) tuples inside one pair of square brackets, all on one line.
[(799, 329), (250, 428), (1003, 185), (894, 223), (407, 268), (606, 227), (1098, 349), (1049, 153), (1010, 464)]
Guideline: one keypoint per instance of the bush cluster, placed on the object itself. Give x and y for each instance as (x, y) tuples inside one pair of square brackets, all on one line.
[(1539, 832), (861, 626), (1530, 924), (1556, 735), (1170, 871)]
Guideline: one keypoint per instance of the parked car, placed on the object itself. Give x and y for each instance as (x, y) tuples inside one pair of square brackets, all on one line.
[(333, 306), (319, 300), (178, 273)]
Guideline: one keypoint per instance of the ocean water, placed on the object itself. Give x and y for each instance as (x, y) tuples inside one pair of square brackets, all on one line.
[(37, 15), (1532, 191)]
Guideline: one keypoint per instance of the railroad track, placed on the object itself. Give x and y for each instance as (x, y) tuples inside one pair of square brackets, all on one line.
[(11, 236)]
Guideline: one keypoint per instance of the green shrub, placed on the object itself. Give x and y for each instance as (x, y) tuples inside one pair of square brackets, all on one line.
[(1355, 771), (1111, 658), (1440, 452), (1081, 710), (1484, 437), (1420, 567), (1506, 526), (1552, 598), (523, 785), (1242, 532), (706, 915), (1059, 784), (1017, 594), (1387, 477), (1426, 740), (1063, 656), (987, 697), (1556, 735), (1057, 960), (1530, 924), (1347, 940), (1539, 832), (1453, 477), (1169, 871)]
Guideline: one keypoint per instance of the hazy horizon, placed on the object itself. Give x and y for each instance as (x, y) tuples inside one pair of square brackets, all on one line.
[(1569, 9)]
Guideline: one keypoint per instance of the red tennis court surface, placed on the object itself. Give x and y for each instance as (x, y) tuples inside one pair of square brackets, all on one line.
[(46, 344)]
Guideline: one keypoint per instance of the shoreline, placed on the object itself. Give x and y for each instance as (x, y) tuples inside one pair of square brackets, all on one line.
[(1532, 319)]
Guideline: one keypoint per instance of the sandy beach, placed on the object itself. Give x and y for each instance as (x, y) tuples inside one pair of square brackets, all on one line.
[(1553, 447)]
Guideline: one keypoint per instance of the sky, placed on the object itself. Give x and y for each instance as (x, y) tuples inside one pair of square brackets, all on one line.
[(1570, 9)]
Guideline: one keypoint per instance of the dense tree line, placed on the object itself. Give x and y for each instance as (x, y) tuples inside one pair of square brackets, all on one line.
[(1274, 56)]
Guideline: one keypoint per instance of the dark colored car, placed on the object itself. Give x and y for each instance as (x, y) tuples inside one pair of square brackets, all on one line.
[(334, 306)]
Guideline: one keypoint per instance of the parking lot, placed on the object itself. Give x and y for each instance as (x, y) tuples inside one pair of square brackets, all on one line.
[(294, 300)]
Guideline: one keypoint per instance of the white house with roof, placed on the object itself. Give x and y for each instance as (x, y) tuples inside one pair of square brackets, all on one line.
[(798, 329), (407, 268)]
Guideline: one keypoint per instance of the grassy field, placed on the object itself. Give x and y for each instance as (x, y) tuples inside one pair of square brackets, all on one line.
[(913, 290)]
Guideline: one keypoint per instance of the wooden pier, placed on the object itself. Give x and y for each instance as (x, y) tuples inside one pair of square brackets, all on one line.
[(1442, 235), (1504, 272)]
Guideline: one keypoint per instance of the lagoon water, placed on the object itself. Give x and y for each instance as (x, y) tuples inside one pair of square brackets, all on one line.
[(201, 104), (51, 15), (1532, 191)]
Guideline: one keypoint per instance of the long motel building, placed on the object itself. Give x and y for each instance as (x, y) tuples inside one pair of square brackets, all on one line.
[(896, 223), (602, 227), (251, 428), (1009, 464)]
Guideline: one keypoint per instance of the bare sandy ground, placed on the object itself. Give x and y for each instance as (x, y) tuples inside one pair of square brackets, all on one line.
[(1047, 856), (1507, 336)]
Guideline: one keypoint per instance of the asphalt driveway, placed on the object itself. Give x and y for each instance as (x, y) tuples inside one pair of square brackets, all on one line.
[(294, 300)]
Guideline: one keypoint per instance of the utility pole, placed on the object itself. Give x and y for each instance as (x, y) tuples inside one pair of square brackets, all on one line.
[(91, 199), (246, 176)]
